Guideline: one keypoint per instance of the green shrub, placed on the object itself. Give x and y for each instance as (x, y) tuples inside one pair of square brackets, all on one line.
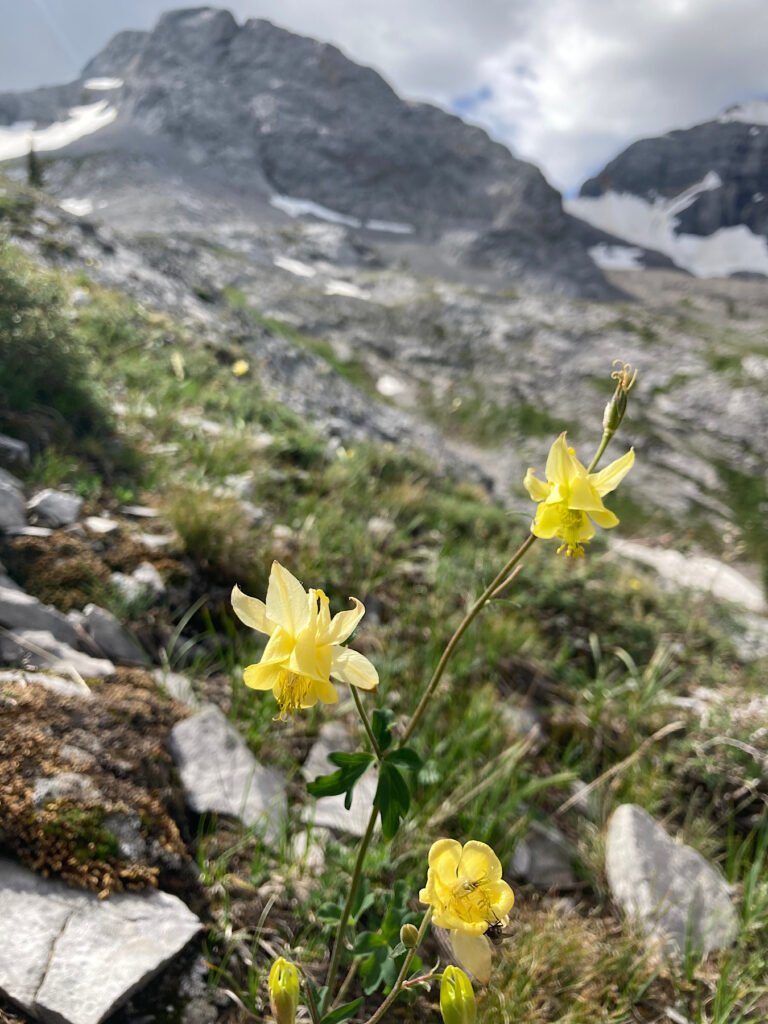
[(45, 387)]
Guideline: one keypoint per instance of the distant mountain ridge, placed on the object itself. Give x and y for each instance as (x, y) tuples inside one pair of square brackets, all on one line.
[(699, 195), (266, 113)]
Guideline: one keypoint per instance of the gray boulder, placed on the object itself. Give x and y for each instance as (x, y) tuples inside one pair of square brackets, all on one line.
[(13, 452), (680, 900), (19, 610), (72, 958), (221, 775), (114, 641), (12, 511), (54, 508)]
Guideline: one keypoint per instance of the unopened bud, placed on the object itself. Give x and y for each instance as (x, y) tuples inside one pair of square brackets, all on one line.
[(284, 991), (409, 936), (457, 998), (615, 409)]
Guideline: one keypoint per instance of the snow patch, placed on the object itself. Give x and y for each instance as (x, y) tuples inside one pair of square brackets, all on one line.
[(652, 225), (77, 207), (754, 112), (294, 266), (103, 84), (616, 257), (395, 227), (16, 139), (305, 207)]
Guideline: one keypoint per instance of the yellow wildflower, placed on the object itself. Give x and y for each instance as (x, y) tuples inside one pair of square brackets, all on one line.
[(466, 890), (283, 990), (240, 367), (303, 649), (571, 497)]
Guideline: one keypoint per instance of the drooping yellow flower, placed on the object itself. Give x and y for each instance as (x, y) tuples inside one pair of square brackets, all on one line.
[(466, 890), (303, 650), (571, 497)]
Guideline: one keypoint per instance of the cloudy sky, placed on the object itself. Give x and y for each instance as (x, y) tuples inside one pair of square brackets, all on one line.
[(564, 83)]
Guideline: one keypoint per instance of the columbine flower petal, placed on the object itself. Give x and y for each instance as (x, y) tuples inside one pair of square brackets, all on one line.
[(287, 601), (609, 478), (342, 625), (474, 954), (538, 489), (353, 668), (251, 611)]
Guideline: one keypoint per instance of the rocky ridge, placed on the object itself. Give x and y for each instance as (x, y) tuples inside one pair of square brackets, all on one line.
[(291, 124)]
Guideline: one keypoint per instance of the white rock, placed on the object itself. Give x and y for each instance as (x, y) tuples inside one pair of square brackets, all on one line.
[(12, 512), (678, 898), (101, 525), (148, 576), (38, 649), (58, 684), (74, 958), (114, 641), (220, 774), (54, 508), (176, 686)]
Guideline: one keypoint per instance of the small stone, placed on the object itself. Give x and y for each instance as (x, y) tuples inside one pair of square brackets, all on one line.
[(221, 775), (678, 898), (13, 453), (177, 687), (155, 541), (29, 531), (139, 511), (114, 641), (101, 525), (64, 784), (54, 508), (148, 576), (544, 857)]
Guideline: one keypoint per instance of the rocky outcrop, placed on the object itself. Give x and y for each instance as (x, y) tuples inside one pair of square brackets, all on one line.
[(289, 120)]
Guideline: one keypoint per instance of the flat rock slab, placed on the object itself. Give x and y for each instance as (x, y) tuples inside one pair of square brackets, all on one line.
[(19, 610), (58, 684), (70, 957), (38, 649), (675, 895), (221, 775)]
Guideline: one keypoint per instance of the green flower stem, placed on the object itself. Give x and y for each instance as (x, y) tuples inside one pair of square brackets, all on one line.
[(490, 591), (403, 972), (366, 722), (311, 1005), (604, 441), (354, 883)]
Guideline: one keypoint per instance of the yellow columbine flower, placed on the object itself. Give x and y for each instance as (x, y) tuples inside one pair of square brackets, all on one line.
[(283, 990), (571, 497), (303, 649), (465, 888)]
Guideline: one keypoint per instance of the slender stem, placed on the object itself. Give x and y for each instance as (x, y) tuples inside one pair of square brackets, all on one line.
[(354, 883), (346, 983), (604, 440), (366, 722), (492, 588), (313, 1011), (403, 972)]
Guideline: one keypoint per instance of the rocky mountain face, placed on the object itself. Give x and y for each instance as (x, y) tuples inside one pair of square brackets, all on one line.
[(280, 117), (697, 195)]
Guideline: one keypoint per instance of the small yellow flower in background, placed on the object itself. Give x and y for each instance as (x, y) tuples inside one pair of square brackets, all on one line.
[(457, 998), (466, 890), (303, 650), (571, 497), (240, 367), (283, 990), (177, 365)]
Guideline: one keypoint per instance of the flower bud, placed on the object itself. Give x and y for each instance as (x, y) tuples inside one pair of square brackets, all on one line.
[(409, 936), (457, 998), (615, 409), (283, 991)]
